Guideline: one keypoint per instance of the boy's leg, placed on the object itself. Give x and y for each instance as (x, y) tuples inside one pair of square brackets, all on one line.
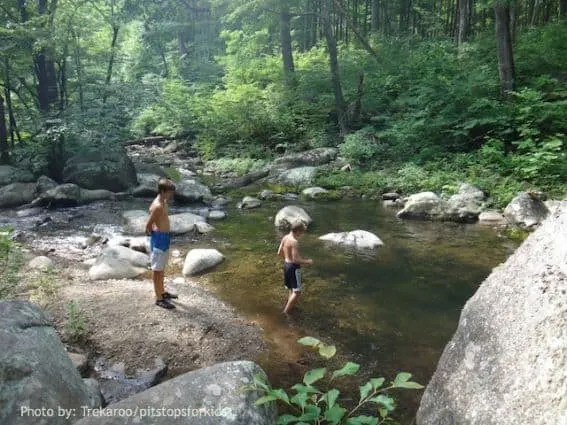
[(292, 301), (158, 260)]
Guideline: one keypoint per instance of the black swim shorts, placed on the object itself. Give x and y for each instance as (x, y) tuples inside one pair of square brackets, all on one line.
[(292, 276)]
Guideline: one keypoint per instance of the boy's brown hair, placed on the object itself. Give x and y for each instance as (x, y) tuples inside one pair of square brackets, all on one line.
[(165, 185), (298, 226)]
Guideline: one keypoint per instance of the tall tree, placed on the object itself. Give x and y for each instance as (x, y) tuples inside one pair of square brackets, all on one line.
[(334, 64), (4, 148), (286, 46), (562, 9), (504, 47), (464, 21)]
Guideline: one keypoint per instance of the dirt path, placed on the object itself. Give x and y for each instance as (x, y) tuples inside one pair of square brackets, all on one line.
[(124, 325)]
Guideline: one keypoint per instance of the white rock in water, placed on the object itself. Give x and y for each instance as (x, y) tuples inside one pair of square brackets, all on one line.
[(356, 239), (199, 260)]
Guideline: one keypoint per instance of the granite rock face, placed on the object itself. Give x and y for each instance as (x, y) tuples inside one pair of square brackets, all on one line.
[(507, 362)]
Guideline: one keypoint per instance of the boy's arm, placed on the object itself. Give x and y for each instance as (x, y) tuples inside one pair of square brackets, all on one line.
[(296, 258), (152, 218), (280, 250)]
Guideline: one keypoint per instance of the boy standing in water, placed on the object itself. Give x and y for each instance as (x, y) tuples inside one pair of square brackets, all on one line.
[(158, 229), (289, 250)]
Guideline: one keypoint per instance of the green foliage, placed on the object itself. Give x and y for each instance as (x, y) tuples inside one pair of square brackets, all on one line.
[(360, 147), (321, 404), (11, 261), (75, 322)]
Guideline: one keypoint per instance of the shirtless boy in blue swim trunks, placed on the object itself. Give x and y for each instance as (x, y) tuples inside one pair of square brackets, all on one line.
[(289, 250), (158, 229)]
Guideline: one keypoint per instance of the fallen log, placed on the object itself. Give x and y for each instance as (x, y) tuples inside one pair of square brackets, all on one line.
[(239, 182)]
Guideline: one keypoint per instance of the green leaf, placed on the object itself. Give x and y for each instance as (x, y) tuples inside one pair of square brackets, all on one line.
[(384, 400), (348, 369), (260, 381), (286, 419), (334, 415), (300, 399), (311, 413), (280, 395), (402, 377), (309, 341), (327, 351), (330, 397), (314, 375), (300, 388), (383, 412), (362, 420), (265, 399), (365, 390), (410, 385), (377, 383)]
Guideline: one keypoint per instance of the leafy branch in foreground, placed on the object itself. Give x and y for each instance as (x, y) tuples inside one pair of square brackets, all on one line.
[(314, 406)]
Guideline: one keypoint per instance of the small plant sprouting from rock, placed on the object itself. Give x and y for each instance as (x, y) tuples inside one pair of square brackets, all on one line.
[(316, 406), (75, 322)]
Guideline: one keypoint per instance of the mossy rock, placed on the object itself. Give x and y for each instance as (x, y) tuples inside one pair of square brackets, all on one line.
[(515, 233), (173, 174), (331, 195)]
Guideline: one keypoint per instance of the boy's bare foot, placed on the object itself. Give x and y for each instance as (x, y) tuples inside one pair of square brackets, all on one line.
[(165, 304), (168, 296)]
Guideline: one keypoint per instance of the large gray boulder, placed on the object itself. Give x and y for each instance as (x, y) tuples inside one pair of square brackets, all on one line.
[(507, 362), (44, 184), (16, 194), (466, 205), (200, 260), (314, 157), (249, 202), (70, 194), (314, 192), (9, 174), (119, 262), (301, 176), (147, 185), (288, 215), (208, 396), (190, 190), (526, 211), (424, 205), (36, 372), (179, 223), (109, 169)]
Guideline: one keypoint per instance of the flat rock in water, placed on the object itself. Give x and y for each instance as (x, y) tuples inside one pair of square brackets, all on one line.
[(200, 260), (204, 227), (249, 202), (391, 196), (36, 370), (359, 239), (288, 215), (266, 194), (217, 215), (119, 262), (211, 391), (511, 337), (492, 218), (314, 192)]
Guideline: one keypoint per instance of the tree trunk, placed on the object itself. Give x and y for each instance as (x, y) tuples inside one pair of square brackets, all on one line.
[(4, 148), (48, 92), (285, 41), (464, 16), (115, 29), (335, 73), (181, 44), (375, 16), (504, 47), (79, 70), (562, 9)]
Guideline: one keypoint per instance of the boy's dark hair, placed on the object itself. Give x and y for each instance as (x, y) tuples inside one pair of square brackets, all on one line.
[(298, 226), (165, 185)]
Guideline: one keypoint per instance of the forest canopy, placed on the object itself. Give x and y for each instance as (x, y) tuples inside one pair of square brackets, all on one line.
[(427, 90)]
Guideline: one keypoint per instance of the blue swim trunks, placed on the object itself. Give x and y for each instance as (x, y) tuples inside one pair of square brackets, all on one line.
[(159, 247)]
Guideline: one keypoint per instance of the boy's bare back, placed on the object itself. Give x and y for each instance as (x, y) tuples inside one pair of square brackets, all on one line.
[(159, 218)]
